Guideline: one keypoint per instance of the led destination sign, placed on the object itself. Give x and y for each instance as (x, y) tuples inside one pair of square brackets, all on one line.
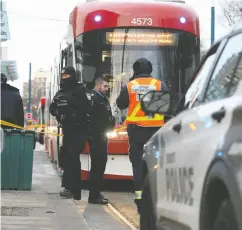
[(141, 38)]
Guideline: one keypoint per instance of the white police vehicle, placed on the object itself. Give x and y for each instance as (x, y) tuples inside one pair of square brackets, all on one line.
[(193, 164)]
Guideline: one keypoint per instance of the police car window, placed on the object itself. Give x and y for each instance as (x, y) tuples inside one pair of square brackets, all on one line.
[(237, 76), (220, 82), (196, 87)]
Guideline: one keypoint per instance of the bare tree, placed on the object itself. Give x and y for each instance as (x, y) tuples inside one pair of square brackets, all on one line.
[(230, 12)]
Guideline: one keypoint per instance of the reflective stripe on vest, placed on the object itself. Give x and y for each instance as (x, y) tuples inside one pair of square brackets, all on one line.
[(135, 114)]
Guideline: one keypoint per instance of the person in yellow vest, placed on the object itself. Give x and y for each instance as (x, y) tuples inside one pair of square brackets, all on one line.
[(140, 127)]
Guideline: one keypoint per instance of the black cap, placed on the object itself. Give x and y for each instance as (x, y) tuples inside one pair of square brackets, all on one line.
[(69, 70), (3, 78), (142, 66)]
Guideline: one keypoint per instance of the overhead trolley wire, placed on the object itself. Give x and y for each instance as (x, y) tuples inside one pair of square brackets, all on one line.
[(37, 18)]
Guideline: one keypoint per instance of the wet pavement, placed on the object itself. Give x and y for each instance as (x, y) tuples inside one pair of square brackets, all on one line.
[(43, 209)]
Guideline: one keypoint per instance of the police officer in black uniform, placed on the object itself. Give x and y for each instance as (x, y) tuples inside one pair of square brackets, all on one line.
[(71, 108), (12, 109), (101, 122)]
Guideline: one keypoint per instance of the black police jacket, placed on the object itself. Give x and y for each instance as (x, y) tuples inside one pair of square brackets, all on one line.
[(101, 117), (11, 105), (74, 112)]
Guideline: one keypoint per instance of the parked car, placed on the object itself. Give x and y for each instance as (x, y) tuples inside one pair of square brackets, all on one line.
[(192, 166)]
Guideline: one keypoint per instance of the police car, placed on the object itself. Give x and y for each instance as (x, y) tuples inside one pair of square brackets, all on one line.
[(192, 166)]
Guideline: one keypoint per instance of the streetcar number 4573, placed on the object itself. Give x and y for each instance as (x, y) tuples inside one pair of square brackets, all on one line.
[(142, 21)]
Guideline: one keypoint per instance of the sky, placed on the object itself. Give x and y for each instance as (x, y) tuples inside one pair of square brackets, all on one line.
[(37, 27)]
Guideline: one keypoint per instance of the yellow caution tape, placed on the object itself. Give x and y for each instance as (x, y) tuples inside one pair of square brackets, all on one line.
[(27, 128), (121, 128), (46, 129), (36, 126)]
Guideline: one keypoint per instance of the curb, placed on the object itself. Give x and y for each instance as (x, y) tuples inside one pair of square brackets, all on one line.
[(122, 217)]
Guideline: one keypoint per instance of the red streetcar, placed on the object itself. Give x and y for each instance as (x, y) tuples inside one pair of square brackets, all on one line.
[(106, 38)]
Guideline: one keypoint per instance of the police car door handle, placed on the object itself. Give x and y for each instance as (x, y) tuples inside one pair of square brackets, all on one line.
[(177, 127), (219, 115)]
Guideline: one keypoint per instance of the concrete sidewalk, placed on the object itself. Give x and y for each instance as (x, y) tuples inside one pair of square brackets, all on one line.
[(43, 209)]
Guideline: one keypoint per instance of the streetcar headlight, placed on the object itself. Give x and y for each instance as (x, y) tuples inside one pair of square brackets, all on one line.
[(115, 134), (112, 134), (122, 133)]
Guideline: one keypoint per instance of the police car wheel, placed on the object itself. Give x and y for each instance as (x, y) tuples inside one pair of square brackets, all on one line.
[(147, 215), (225, 219)]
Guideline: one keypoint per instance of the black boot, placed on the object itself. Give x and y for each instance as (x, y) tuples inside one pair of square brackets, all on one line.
[(66, 193), (103, 197), (138, 204), (77, 196), (97, 200)]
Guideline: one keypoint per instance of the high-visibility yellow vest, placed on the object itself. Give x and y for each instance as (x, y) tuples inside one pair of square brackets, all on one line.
[(136, 89)]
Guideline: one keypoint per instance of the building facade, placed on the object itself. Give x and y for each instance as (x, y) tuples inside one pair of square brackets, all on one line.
[(38, 84), (8, 67)]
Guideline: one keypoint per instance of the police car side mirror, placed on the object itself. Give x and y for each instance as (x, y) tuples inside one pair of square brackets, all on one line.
[(155, 102)]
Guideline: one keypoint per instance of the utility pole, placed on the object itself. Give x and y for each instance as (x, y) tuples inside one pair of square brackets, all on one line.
[(30, 85), (212, 22)]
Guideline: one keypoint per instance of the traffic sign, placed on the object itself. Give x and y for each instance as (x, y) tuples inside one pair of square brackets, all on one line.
[(29, 116)]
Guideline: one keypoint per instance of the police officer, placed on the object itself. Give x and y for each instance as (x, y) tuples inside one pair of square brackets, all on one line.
[(11, 104), (140, 128), (71, 107), (101, 122)]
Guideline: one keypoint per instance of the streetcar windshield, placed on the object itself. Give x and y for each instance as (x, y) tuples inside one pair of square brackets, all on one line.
[(111, 52)]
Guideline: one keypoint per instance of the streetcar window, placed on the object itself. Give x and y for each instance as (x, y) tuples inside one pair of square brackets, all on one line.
[(111, 52)]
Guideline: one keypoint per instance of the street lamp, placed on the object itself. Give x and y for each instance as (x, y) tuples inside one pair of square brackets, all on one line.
[(212, 22), (29, 99)]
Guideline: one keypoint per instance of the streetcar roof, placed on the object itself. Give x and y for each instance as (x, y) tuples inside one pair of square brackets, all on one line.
[(120, 13)]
